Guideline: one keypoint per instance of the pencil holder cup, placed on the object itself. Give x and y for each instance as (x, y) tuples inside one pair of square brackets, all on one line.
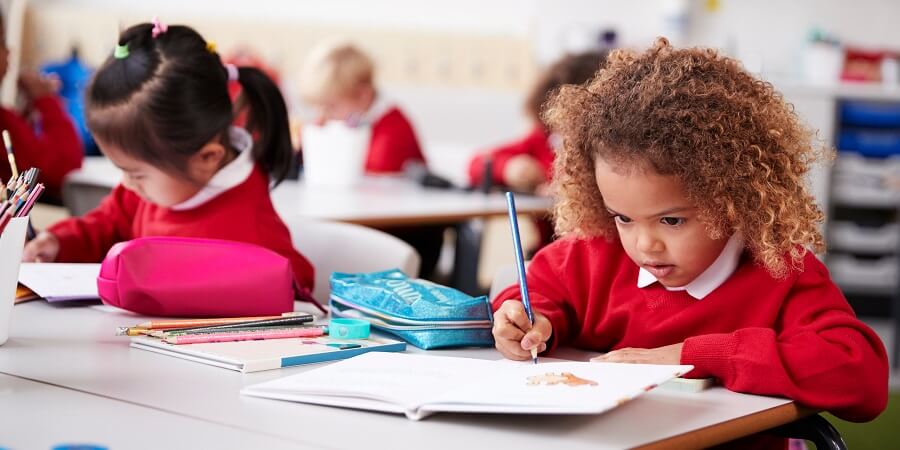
[(12, 242), (334, 155)]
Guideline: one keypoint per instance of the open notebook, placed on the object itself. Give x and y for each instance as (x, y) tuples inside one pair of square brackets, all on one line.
[(254, 356), (419, 386), (60, 282)]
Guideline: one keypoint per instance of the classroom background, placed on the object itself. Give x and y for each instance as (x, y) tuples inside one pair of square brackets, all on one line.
[(461, 71)]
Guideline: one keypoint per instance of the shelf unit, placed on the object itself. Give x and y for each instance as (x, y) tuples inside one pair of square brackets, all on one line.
[(860, 192)]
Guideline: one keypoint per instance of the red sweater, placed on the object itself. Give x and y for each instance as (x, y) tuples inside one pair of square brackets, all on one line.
[(243, 213), (536, 144), (393, 144), (55, 149), (796, 338)]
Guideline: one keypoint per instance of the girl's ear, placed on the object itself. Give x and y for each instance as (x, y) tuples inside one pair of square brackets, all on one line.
[(206, 162)]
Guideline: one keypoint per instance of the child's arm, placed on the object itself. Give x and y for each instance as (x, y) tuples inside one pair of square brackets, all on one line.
[(88, 238), (501, 156), (819, 354), (56, 148)]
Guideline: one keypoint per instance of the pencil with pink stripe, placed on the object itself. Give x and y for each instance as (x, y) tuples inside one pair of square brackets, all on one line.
[(246, 335)]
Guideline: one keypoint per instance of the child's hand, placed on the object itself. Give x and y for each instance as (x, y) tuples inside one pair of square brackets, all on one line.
[(43, 248), (523, 173), (670, 354), (513, 334), (36, 85)]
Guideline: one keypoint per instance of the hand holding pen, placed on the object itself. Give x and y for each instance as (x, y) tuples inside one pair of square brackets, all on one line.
[(519, 332)]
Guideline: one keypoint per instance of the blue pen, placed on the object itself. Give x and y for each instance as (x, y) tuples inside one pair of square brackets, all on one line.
[(520, 263)]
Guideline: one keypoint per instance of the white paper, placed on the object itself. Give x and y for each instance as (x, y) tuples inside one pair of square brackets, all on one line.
[(421, 385), (61, 281)]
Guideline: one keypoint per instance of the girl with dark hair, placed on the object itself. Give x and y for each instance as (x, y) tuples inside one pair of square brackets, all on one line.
[(159, 109)]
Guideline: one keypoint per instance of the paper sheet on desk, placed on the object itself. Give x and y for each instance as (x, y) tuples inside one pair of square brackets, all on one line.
[(60, 282)]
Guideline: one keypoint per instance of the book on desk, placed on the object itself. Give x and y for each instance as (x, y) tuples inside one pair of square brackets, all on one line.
[(420, 385)]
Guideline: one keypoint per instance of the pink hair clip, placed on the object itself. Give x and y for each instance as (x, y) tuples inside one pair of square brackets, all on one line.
[(158, 27)]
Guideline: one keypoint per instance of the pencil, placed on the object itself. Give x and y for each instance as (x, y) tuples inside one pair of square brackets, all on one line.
[(9, 154), (282, 322), (190, 323), (232, 336), (520, 263)]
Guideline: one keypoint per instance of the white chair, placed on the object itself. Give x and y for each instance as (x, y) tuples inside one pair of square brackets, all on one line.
[(80, 196), (343, 247), (504, 276)]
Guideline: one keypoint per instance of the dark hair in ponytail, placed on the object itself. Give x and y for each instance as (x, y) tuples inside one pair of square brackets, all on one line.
[(169, 97)]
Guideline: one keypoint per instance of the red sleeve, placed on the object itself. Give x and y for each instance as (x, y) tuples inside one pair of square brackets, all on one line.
[(819, 354), (534, 144), (549, 292), (88, 238), (56, 149), (393, 144)]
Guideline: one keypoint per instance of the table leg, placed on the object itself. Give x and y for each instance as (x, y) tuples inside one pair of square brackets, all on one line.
[(468, 252)]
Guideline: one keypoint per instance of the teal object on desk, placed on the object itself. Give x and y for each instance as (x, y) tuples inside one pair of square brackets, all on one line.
[(349, 329)]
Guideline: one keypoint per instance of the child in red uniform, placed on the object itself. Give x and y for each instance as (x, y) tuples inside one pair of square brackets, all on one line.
[(526, 163), (159, 109), (338, 79), (686, 225), (55, 147)]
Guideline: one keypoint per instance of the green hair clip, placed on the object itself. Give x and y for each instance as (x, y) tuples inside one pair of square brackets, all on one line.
[(121, 51)]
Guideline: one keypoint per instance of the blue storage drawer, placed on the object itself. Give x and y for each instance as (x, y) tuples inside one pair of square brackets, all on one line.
[(869, 142), (870, 114)]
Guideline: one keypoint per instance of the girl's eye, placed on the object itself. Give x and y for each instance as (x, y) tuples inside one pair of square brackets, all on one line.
[(672, 221), (621, 219)]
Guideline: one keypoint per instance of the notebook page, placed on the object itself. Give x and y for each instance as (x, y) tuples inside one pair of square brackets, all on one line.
[(61, 281), (404, 380), (566, 387)]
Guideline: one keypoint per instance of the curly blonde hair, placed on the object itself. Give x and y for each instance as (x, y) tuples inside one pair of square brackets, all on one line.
[(739, 150)]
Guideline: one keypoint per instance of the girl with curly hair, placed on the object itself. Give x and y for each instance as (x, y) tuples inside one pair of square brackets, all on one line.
[(687, 232)]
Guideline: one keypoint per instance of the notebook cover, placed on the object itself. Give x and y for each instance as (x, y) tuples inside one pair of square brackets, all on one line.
[(258, 355)]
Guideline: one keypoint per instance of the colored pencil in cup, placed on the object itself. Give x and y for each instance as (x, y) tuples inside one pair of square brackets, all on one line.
[(232, 336), (520, 263)]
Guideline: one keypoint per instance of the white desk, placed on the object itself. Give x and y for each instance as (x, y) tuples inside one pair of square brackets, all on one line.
[(39, 416), (74, 347), (375, 201)]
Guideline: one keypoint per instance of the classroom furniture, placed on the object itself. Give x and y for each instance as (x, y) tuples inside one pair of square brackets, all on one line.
[(380, 201), (74, 348), (861, 197), (345, 247), (40, 416)]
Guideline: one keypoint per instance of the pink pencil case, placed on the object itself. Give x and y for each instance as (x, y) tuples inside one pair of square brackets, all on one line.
[(190, 277)]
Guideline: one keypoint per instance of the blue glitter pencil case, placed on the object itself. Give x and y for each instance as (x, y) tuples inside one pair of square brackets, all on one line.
[(423, 313)]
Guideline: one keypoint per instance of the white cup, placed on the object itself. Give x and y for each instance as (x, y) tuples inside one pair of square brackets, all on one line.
[(12, 242), (334, 155)]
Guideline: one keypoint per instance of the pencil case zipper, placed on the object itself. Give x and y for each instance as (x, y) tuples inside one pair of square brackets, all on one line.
[(401, 324)]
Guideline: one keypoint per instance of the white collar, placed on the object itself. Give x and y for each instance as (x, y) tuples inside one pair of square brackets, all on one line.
[(234, 173), (712, 277)]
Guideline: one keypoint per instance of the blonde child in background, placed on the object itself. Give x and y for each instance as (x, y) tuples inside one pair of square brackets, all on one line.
[(688, 233), (338, 80), (159, 109)]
